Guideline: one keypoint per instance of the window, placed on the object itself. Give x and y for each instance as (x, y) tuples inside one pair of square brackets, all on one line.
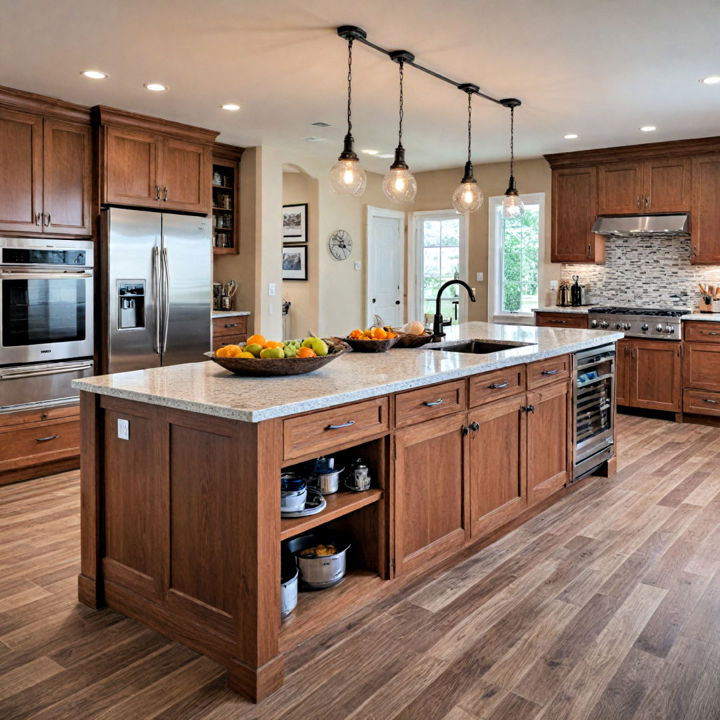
[(441, 257), (515, 257)]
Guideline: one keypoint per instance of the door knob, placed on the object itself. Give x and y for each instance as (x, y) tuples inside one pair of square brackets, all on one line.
[(397, 302), (373, 299)]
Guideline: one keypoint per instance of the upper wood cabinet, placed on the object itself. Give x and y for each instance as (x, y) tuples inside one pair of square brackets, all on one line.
[(705, 213), (657, 185), (45, 175), (574, 208), (154, 163)]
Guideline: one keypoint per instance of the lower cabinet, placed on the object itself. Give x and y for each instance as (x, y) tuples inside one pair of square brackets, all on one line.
[(429, 491), (497, 463), (549, 419)]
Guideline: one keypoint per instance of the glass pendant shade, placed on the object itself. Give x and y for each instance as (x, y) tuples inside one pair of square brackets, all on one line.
[(468, 197), (512, 205), (347, 177), (399, 184)]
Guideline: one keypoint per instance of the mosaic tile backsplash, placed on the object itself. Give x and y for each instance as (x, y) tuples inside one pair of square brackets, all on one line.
[(645, 271)]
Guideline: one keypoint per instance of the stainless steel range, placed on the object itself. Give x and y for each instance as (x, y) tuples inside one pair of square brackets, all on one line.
[(655, 323)]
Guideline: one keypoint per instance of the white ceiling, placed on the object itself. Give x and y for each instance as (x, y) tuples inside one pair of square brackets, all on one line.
[(600, 68)]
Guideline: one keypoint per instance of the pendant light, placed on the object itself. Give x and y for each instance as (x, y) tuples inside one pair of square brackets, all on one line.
[(468, 196), (347, 177), (399, 185), (512, 205)]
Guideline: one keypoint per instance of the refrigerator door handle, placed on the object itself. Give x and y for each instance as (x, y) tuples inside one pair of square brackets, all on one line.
[(166, 297), (157, 294)]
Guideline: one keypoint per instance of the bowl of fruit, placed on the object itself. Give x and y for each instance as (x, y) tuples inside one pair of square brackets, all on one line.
[(259, 357), (413, 335), (374, 339)]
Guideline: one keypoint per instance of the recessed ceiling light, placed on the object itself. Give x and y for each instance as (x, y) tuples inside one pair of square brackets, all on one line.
[(571, 136), (95, 74), (321, 123), (371, 152), (386, 155), (711, 80), (648, 128), (156, 87), (232, 107)]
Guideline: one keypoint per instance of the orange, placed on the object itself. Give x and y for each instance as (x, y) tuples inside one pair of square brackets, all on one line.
[(356, 334), (256, 340), (273, 344), (305, 352), (220, 352), (232, 351), (378, 334), (391, 335)]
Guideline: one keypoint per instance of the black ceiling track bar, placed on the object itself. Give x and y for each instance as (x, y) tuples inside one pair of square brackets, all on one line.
[(358, 34)]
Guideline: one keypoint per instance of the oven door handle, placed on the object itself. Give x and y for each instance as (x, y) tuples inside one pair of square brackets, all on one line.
[(69, 275), (20, 373)]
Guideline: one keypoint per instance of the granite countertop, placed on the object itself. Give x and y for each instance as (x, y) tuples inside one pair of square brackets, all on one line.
[(229, 313), (205, 387), (565, 309), (712, 317)]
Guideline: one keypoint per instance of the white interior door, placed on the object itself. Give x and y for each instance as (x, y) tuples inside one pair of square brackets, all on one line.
[(385, 265)]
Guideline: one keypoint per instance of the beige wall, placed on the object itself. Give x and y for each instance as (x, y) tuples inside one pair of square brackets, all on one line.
[(434, 193)]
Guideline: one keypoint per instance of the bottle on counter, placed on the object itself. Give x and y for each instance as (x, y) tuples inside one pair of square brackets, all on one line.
[(563, 298), (576, 291)]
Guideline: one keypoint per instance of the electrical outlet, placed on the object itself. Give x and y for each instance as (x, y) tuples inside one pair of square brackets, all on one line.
[(272, 289), (479, 277), (123, 429), (358, 265), (553, 284)]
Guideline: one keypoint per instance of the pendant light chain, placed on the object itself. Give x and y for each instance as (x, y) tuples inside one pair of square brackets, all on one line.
[(469, 126), (512, 140), (349, 92), (400, 125)]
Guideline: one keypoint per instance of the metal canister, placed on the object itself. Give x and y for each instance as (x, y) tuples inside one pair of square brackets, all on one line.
[(358, 479)]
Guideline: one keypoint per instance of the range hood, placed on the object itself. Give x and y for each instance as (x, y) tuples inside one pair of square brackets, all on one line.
[(660, 226)]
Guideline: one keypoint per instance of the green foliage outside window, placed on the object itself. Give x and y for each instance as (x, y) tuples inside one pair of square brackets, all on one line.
[(520, 243)]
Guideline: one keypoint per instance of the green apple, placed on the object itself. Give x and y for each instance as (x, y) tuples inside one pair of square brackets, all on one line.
[(272, 353), (254, 349), (318, 345)]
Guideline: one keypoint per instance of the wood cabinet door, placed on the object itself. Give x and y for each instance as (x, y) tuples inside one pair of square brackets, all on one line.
[(496, 464), (20, 172), (655, 379), (185, 176), (429, 491), (623, 363), (574, 208), (66, 178), (705, 212), (667, 185), (620, 188), (702, 366), (549, 421), (131, 168)]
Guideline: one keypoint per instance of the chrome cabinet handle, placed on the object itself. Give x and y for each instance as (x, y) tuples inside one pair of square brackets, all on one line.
[(38, 217), (589, 250), (231, 325), (712, 332), (711, 402), (45, 439), (47, 217), (694, 251), (498, 386), (550, 372), (434, 403), (638, 202), (559, 322), (165, 194), (647, 201), (342, 425), (157, 192), (474, 426)]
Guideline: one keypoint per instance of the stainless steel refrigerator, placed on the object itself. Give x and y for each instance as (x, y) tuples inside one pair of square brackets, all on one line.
[(157, 288)]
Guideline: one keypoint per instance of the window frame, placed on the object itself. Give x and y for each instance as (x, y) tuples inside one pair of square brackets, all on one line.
[(495, 312), (416, 259)]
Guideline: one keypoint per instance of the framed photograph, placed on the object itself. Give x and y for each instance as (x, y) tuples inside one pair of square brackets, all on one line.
[(294, 227), (294, 262)]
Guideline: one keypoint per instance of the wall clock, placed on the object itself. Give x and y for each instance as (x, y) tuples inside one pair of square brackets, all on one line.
[(340, 244)]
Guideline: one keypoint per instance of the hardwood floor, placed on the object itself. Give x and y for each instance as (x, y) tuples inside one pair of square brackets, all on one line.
[(606, 605)]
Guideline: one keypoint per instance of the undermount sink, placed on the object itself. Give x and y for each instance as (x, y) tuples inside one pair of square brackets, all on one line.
[(478, 347)]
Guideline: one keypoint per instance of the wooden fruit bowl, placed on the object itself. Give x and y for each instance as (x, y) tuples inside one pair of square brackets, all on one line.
[(405, 340), (373, 346), (278, 367)]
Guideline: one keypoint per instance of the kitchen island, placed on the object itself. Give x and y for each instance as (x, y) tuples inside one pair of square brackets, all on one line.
[(181, 526)]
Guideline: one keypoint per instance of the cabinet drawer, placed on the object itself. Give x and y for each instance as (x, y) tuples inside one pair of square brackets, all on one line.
[(328, 429), (233, 339), (702, 331), (23, 417), (497, 384), (27, 445), (561, 320), (234, 325), (426, 403), (701, 402), (548, 371)]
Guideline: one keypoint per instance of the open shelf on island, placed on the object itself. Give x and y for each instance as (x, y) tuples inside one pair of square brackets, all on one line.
[(339, 504)]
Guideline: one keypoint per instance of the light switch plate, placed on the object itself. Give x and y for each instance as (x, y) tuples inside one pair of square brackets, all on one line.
[(553, 284), (272, 289), (123, 429), (479, 277)]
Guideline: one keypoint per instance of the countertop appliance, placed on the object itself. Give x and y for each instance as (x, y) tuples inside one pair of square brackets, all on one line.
[(654, 323), (46, 300), (158, 281), (593, 403)]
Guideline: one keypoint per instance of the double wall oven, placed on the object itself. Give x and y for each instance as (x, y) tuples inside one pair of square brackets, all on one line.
[(46, 319)]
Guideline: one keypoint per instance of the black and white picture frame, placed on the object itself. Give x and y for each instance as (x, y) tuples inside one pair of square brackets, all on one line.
[(294, 226), (294, 262)]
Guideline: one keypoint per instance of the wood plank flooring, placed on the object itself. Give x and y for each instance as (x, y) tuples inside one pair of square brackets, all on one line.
[(605, 606)]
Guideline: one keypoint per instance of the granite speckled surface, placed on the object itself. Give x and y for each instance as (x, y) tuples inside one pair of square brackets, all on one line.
[(711, 317), (204, 387), (564, 309)]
